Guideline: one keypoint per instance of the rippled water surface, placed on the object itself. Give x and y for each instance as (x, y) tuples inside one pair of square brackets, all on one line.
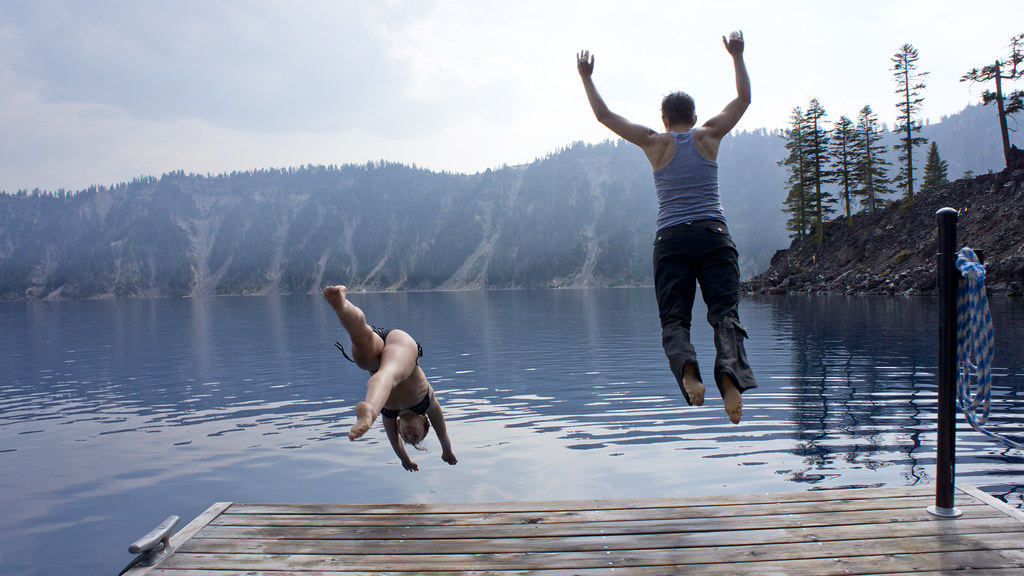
[(114, 415)]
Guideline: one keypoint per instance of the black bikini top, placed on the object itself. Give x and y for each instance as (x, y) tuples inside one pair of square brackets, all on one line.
[(420, 408)]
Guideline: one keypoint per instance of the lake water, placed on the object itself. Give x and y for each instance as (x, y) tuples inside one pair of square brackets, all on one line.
[(117, 414)]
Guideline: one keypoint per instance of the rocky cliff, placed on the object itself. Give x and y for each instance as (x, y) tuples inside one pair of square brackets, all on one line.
[(892, 251)]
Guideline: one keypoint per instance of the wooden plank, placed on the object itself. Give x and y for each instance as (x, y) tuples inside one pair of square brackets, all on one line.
[(973, 528), (713, 501), (635, 527), (393, 554), (869, 532), (244, 516), (980, 496), (708, 562), (598, 572), (484, 519)]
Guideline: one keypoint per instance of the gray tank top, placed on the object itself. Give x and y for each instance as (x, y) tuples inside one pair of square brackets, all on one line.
[(687, 186)]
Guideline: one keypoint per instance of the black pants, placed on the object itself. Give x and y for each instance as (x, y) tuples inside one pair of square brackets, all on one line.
[(685, 255)]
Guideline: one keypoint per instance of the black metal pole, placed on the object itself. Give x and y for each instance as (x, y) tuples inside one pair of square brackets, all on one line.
[(945, 460)]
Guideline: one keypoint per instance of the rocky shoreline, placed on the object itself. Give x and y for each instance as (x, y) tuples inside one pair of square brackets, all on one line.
[(892, 251)]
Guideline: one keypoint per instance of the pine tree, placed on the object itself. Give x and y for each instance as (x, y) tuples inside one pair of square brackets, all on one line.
[(870, 168), (816, 152), (796, 198), (908, 88), (935, 169), (841, 151), (1007, 104)]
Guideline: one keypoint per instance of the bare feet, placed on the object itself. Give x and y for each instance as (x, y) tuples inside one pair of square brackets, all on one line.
[(352, 320), (335, 296), (692, 384), (732, 399), (364, 419)]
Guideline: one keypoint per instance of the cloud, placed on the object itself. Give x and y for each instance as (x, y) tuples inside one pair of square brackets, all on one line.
[(98, 91), (255, 66)]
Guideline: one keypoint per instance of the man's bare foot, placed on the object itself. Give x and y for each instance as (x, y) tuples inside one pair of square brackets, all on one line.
[(692, 384), (335, 296), (732, 399), (364, 419)]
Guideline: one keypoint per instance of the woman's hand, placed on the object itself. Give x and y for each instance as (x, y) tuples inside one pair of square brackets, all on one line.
[(449, 457), (410, 465)]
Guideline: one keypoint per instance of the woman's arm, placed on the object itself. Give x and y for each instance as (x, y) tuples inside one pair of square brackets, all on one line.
[(391, 427), (436, 417)]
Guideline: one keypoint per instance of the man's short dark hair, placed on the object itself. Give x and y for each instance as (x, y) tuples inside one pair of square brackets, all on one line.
[(678, 108)]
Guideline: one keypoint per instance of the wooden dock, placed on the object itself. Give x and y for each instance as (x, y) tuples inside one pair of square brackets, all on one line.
[(819, 533)]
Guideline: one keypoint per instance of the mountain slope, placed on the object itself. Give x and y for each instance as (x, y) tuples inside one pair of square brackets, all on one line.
[(582, 216)]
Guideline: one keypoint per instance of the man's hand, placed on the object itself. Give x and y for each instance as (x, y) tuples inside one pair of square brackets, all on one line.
[(449, 457), (585, 63), (712, 132), (410, 465), (734, 44)]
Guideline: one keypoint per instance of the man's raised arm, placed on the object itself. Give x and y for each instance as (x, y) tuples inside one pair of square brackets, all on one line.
[(634, 133), (727, 119)]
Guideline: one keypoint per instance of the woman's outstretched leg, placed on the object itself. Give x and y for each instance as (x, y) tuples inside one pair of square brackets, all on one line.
[(366, 351), (366, 344)]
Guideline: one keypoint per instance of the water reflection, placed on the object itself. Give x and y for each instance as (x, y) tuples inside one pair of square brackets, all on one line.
[(115, 414), (860, 386), (845, 383), (864, 389)]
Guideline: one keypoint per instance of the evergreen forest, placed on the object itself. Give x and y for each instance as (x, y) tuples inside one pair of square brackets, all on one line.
[(582, 216)]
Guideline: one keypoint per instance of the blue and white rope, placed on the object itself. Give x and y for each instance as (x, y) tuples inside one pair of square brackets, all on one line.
[(974, 346)]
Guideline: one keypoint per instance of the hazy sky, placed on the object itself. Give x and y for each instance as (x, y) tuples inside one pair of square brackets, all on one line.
[(102, 91)]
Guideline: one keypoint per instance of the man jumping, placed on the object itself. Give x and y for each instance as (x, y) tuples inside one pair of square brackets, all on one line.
[(692, 244)]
